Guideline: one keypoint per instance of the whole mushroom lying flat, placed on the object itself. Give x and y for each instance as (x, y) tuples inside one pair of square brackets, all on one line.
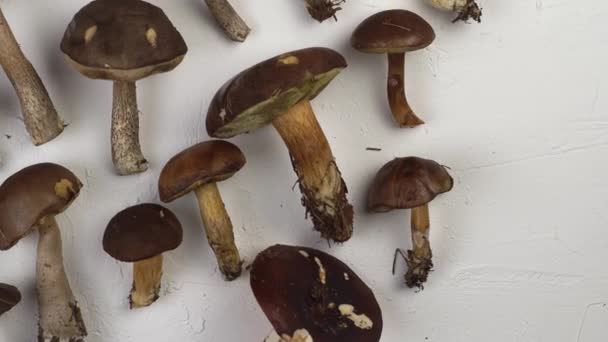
[(9, 297), (466, 9), (228, 19)]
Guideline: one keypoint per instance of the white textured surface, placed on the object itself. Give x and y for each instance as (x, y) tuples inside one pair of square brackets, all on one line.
[(514, 106)]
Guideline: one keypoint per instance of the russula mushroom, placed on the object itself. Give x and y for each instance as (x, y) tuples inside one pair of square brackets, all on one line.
[(322, 10), (9, 297), (279, 91), (29, 199), (394, 33), (229, 20), (123, 41), (39, 115), (198, 169), (141, 234), (308, 295), (411, 183), (466, 9)]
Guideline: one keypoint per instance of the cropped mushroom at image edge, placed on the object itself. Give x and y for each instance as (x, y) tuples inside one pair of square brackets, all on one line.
[(466, 9), (9, 297)]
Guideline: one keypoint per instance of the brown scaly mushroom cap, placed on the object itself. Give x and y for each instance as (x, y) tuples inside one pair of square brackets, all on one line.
[(393, 31), (406, 183), (9, 297), (255, 96), (122, 40), (142, 232), (303, 288), (207, 162), (32, 194)]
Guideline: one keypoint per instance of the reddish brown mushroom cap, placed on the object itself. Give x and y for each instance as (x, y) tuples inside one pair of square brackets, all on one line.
[(9, 297)]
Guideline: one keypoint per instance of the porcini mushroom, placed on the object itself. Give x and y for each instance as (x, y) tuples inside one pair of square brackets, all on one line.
[(279, 91), (9, 297), (141, 234), (229, 20), (198, 169), (322, 10), (39, 115), (308, 295), (411, 183), (123, 41), (394, 33), (466, 9), (29, 199)]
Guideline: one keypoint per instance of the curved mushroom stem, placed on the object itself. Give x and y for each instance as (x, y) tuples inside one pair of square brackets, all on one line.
[(41, 119), (233, 25), (146, 282), (419, 259), (126, 150), (403, 113), (60, 317), (323, 189), (219, 230)]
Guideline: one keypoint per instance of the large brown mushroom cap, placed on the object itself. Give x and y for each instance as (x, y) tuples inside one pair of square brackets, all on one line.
[(142, 232), (303, 288), (9, 297), (122, 40), (257, 95), (32, 194), (406, 183)]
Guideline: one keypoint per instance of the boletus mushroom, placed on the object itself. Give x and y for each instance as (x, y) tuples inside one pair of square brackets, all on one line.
[(279, 91), (123, 41), (30, 199), (394, 33), (9, 297), (229, 20), (411, 183), (466, 9), (141, 234), (198, 169), (309, 295)]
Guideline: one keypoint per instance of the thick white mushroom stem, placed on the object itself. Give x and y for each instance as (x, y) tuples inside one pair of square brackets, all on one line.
[(403, 113), (60, 317), (39, 115), (419, 259), (467, 9), (219, 230), (126, 150), (323, 189), (229, 20), (147, 275)]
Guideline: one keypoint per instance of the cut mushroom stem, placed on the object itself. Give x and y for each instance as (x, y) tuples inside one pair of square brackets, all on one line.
[(147, 275), (39, 115), (400, 108), (229, 20), (419, 259), (323, 189)]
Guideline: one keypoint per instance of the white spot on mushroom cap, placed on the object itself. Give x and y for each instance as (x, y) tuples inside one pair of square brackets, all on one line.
[(162, 214), (322, 272), (304, 253), (151, 37), (90, 33), (361, 321), (223, 114), (346, 277)]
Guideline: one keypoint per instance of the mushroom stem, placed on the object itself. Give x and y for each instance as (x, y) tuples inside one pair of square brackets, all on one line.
[(233, 25), (146, 282), (39, 115), (60, 317), (218, 228), (419, 259), (126, 151), (403, 113), (323, 189)]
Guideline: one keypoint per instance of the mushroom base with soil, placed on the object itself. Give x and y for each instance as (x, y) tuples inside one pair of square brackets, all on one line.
[(467, 9), (419, 259), (126, 150), (147, 275), (402, 112)]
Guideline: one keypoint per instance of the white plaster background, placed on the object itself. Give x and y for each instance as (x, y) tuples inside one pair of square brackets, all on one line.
[(515, 106)]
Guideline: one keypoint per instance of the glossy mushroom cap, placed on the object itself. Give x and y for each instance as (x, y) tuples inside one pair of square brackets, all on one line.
[(142, 232), (9, 297), (393, 31), (255, 96), (303, 288), (122, 40), (32, 194), (207, 162), (406, 183)]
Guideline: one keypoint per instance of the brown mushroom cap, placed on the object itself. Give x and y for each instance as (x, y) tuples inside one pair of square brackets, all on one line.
[(142, 232), (255, 96), (9, 297), (32, 194), (303, 288), (207, 162), (393, 31), (406, 183), (122, 40)]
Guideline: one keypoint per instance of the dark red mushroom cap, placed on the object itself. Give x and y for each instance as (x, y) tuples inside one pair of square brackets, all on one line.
[(9, 297)]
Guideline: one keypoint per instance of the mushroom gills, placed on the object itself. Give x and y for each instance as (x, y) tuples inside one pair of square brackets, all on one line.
[(147, 275)]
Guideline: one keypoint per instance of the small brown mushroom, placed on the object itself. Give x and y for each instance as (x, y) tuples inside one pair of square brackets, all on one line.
[(279, 91), (411, 183), (123, 41), (394, 33), (229, 20), (141, 234), (198, 169), (9, 297), (310, 294), (29, 199)]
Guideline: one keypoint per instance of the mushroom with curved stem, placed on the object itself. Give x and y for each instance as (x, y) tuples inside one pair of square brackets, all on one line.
[(229, 20), (466, 9), (9, 297), (29, 199)]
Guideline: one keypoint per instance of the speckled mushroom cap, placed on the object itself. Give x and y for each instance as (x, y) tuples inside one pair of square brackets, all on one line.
[(393, 31), (142, 232), (30, 195), (207, 162), (406, 183), (254, 97), (303, 288), (122, 40), (9, 297)]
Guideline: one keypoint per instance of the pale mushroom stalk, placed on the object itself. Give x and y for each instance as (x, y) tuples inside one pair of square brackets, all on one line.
[(229, 20), (403, 113), (147, 276), (419, 259), (126, 149), (466, 9)]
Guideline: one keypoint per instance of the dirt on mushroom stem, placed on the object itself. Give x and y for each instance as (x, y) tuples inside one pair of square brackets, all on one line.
[(402, 112), (147, 276), (467, 9), (419, 259), (322, 10)]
